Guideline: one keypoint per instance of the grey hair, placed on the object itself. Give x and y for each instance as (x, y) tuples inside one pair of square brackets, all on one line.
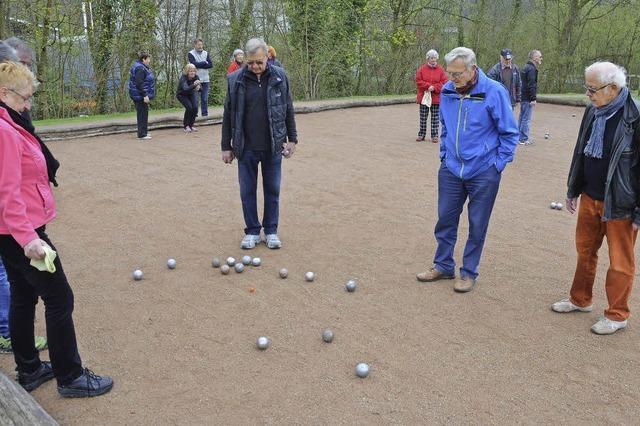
[(254, 45), (467, 55), (432, 54), (533, 52), (237, 52), (20, 46), (7, 53), (608, 73)]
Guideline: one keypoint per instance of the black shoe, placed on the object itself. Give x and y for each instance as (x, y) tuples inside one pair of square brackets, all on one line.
[(86, 385), (30, 381)]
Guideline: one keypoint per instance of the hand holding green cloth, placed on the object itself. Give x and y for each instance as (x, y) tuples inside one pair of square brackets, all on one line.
[(46, 264)]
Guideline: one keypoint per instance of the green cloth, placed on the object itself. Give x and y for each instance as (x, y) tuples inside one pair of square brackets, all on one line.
[(46, 264)]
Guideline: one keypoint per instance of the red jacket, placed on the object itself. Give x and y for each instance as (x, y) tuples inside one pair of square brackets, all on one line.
[(26, 199), (233, 66), (427, 76)]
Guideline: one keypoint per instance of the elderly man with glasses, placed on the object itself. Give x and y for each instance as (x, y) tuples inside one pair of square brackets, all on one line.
[(258, 128), (605, 177), (479, 137)]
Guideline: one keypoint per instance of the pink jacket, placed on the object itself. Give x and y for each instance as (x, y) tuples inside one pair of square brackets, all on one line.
[(26, 199)]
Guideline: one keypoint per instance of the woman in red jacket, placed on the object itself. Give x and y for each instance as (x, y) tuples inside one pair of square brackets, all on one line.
[(430, 78), (236, 62), (26, 207)]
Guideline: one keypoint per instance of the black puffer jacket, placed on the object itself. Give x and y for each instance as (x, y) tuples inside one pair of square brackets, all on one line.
[(279, 108), (529, 78), (622, 188)]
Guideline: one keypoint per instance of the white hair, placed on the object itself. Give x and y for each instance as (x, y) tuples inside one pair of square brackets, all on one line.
[(533, 53), (467, 55), (432, 54), (608, 73), (237, 52), (254, 45)]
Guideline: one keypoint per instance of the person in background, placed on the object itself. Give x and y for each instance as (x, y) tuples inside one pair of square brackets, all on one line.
[(188, 87), (271, 53), (507, 73), (430, 78), (201, 59), (142, 88), (8, 53), (237, 61), (529, 95), (27, 205)]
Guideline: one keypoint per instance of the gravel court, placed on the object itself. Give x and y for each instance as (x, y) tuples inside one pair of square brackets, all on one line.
[(358, 201)]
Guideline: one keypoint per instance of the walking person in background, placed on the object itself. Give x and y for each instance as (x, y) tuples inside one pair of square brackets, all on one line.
[(271, 53), (507, 73), (27, 205), (8, 53), (188, 87), (529, 95), (430, 78), (201, 59), (142, 88), (237, 61)]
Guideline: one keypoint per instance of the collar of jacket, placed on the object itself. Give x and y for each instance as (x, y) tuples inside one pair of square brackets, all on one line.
[(478, 91), (630, 112), (273, 77)]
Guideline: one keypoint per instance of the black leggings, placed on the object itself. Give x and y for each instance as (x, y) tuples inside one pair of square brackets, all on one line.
[(190, 103), (27, 283)]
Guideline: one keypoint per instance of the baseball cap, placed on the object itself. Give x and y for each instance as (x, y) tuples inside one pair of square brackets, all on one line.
[(506, 53)]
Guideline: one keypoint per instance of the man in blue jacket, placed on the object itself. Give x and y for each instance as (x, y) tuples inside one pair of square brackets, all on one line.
[(258, 128), (479, 137), (142, 88)]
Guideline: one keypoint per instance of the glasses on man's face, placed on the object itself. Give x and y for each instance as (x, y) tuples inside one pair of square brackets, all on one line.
[(24, 98), (594, 90), (262, 62), (455, 74)]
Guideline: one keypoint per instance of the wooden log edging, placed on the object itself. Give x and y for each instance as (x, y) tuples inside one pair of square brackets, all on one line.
[(18, 408)]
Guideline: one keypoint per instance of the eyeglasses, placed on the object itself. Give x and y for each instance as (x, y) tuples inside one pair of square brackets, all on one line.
[(24, 98), (456, 74), (593, 90), (256, 62)]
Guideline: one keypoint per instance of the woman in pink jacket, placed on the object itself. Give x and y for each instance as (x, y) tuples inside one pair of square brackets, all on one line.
[(26, 207), (430, 78)]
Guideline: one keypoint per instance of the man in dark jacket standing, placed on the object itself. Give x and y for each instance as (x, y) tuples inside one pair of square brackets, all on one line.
[(142, 88), (604, 175), (507, 73), (258, 120), (529, 94)]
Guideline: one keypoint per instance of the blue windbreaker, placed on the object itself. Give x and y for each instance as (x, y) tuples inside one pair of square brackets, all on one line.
[(479, 129)]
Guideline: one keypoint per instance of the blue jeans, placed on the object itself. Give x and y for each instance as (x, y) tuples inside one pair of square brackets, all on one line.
[(5, 299), (526, 112), (204, 99), (452, 194), (271, 166)]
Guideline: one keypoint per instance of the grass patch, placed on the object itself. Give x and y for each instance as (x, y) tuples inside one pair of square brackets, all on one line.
[(101, 117)]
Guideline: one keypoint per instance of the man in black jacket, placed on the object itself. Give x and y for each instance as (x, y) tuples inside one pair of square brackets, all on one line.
[(258, 127), (605, 175), (529, 94)]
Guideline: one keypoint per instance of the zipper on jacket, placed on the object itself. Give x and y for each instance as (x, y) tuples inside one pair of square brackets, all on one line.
[(457, 134), (466, 111)]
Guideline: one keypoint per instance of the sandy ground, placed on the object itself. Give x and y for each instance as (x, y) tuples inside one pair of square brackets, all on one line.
[(358, 201)]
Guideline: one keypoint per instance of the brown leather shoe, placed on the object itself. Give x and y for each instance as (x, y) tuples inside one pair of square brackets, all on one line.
[(435, 139), (433, 275), (464, 284), (420, 139)]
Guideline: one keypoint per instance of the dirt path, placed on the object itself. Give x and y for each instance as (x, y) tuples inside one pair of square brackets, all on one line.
[(358, 201)]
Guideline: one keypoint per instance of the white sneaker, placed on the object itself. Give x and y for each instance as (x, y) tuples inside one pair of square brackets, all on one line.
[(145, 137), (249, 241), (273, 242), (607, 326), (565, 305)]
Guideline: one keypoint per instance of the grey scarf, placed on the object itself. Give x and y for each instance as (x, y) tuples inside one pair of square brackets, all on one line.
[(595, 143)]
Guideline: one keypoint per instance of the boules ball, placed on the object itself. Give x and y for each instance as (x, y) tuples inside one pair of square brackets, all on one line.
[(351, 286), (559, 206), (309, 276), (256, 261), (362, 370), (216, 262), (573, 115), (246, 260), (327, 336), (171, 264), (239, 267), (262, 342), (546, 135), (554, 205), (224, 269), (137, 275), (231, 261), (284, 273)]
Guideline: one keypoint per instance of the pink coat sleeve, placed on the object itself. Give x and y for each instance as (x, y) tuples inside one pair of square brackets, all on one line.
[(12, 207)]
